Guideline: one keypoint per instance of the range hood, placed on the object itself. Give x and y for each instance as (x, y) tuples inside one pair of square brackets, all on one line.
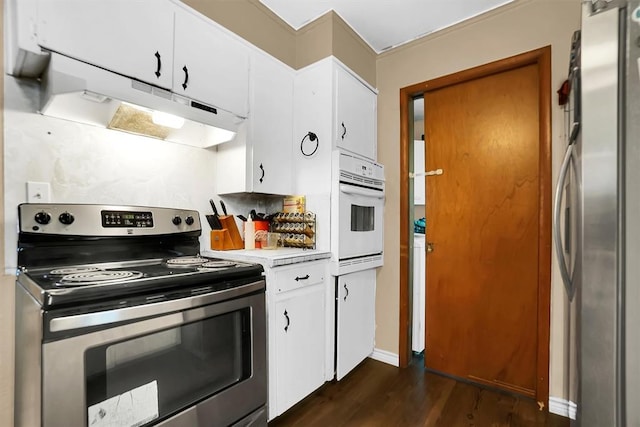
[(81, 92)]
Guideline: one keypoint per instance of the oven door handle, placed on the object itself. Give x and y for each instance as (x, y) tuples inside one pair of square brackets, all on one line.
[(67, 323), (350, 189)]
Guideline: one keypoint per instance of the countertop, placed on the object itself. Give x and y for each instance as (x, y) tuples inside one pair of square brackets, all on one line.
[(270, 257)]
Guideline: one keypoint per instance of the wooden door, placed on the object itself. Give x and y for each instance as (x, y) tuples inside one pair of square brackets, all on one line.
[(483, 220)]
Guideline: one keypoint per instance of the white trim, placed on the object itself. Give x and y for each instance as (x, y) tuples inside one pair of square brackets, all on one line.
[(385, 357), (562, 407)]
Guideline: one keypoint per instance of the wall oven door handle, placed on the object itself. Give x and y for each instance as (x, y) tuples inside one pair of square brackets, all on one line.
[(557, 236), (66, 323), (358, 191)]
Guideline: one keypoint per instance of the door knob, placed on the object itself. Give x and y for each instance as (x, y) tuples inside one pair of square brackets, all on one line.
[(430, 247)]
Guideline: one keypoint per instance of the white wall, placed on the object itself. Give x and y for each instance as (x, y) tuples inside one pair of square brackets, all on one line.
[(86, 164)]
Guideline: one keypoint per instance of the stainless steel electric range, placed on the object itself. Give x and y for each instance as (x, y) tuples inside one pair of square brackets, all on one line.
[(120, 322)]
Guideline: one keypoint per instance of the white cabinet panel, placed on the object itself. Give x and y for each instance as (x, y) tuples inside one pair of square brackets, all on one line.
[(210, 65), (271, 125), (133, 38), (419, 290), (261, 160), (355, 319), (418, 169), (300, 341), (356, 110)]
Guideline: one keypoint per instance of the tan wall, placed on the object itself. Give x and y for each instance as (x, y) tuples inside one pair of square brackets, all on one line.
[(255, 23), (327, 35), (523, 26)]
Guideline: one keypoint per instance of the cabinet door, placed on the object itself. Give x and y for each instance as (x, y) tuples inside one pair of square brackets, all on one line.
[(355, 319), (418, 168), (271, 121), (300, 340), (356, 110), (210, 65), (133, 38)]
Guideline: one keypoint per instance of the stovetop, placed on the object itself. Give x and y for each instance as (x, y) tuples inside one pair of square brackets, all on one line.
[(87, 283)]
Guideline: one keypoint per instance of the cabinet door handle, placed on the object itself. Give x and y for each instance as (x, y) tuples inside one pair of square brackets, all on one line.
[(186, 77), (347, 292), (302, 278), (262, 169), (344, 131), (286, 315), (159, 66)]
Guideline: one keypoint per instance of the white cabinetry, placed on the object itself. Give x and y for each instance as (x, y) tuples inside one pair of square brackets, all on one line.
[(209, 64), (355, 319), (418, 170), (356, 110), (134, 38), (159, 42), (261, 162), (327, 96), (297, 329), (419, 290)]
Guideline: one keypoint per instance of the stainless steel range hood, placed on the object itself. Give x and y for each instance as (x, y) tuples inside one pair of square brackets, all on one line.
[(81, 92)]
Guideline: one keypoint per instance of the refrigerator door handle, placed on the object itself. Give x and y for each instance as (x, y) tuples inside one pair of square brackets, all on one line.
[(557, 235)]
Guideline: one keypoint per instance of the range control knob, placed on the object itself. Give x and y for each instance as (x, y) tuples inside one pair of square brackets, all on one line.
[(66, 218), (42, 218), (189, 220), (176, 220)]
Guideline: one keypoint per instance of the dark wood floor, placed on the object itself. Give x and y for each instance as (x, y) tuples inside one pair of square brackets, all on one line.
[(377, 394)]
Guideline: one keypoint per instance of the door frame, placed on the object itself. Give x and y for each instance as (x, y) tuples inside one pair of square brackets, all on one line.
[(542, 58)]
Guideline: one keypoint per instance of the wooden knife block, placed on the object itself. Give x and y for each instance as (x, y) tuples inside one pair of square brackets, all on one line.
[(229, 237)]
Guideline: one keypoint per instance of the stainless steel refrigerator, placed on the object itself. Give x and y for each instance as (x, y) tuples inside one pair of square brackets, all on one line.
[(598, 198)]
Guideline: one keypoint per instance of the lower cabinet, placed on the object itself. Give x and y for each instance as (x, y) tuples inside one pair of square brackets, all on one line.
[(297, 328), (355, 318)]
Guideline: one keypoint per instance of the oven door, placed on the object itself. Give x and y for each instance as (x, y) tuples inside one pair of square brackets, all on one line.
[(193, 362), (360, 221)]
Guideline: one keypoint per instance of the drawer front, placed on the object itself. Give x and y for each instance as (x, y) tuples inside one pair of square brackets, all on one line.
[(298, 276)]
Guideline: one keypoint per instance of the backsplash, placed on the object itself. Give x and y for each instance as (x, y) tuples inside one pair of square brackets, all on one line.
[(87, 164)]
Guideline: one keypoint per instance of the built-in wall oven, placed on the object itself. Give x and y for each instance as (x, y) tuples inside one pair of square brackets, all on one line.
[(357, 206), (357, 241), (119, 322)]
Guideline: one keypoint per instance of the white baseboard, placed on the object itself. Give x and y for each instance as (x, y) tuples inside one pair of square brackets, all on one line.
[(562, 407), (385, 357)]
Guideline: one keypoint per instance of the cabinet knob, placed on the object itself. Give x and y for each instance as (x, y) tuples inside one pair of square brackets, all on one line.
[(302, 278), (286, 315), (344, 131), (159, 64), (186, 77), (262, 169), (347, 292)]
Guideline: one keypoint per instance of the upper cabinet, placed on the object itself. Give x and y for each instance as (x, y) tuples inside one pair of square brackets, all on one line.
[(341, 111), (261, 160), (133, 38), (209, 64), (356, 113), (159, 42)]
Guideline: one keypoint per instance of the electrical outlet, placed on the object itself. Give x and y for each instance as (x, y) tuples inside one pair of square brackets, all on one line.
[(38, 192)]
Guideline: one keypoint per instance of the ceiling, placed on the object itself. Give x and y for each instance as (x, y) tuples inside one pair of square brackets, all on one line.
[(384, 24)]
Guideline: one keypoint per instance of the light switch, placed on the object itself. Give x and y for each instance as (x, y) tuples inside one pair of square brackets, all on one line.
[(38, 192)]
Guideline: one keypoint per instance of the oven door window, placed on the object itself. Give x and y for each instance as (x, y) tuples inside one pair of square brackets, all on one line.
[(166, 371), (362, 218)]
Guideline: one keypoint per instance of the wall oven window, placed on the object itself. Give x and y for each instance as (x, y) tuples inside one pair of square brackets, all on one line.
[(181, 365), (362, 218)]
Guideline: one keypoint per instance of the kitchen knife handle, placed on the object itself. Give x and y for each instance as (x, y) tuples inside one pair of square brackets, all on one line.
[(159, 62), (213, 206), (224, 208)]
